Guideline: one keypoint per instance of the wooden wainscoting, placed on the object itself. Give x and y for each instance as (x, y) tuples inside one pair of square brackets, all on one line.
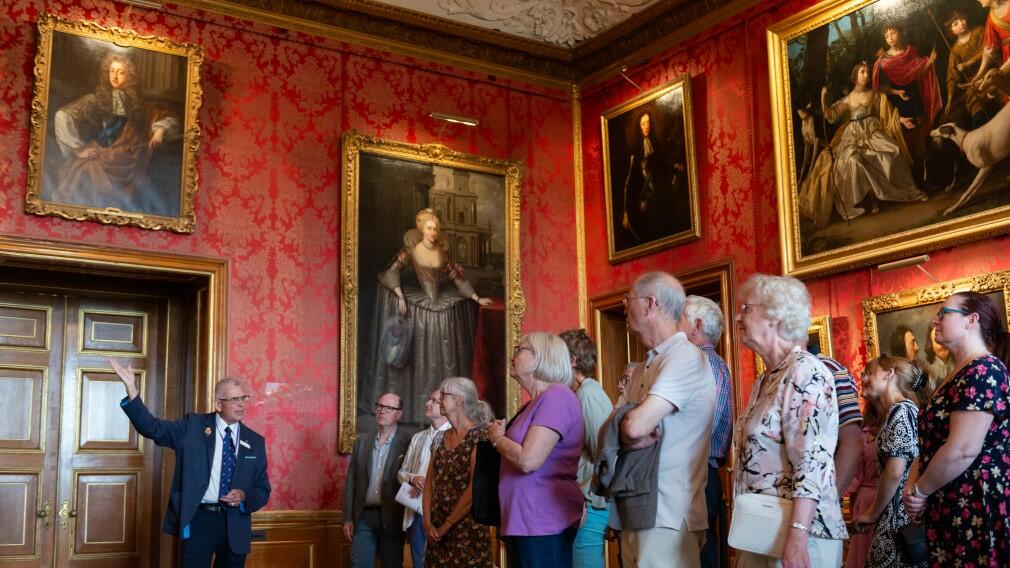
[(296, 539)]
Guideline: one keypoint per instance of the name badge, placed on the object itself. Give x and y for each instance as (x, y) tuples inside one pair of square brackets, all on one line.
[(244, 444)]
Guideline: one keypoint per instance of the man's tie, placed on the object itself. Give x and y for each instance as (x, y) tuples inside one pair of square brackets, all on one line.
[(227, 463)]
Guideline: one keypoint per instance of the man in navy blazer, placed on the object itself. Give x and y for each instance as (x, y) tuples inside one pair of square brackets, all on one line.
[(214, 491)]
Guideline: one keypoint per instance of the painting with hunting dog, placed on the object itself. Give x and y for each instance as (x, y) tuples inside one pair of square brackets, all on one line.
[(892, 133)]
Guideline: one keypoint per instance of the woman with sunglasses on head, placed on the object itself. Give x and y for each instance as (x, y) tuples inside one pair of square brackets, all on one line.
[(538, 488), (890, 383), (959, 485), (454, 539)]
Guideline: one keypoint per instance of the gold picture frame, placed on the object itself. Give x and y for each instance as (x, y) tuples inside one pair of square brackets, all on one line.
[(386, 183), (819, 332), (657, 217), (913, 309), (831, 220), (114, 131)]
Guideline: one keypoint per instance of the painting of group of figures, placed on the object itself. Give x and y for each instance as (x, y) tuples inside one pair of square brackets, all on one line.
[(897, 130)]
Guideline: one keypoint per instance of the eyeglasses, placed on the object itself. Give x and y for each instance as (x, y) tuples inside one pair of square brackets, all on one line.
[(945, 310), (746, 308), (445, 394), (519, 348), (383, 408), (628, 297), (235, 399)]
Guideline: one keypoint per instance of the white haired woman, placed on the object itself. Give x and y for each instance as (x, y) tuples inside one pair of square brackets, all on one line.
[(541, 501), (786, 437), (454, 539)]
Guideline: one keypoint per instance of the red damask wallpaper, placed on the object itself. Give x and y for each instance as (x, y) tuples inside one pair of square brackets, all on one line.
[(728, 65), (275, 105)]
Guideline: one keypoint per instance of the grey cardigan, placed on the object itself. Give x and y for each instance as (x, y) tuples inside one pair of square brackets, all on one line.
[(629, 478)]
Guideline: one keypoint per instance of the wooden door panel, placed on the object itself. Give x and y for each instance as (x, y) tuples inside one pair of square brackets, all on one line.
[(24, 326), (19, 501), (113, 332), (103, 426), (23, 390), (106, 515)]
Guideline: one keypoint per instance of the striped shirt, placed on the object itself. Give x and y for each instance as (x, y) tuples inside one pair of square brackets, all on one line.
[(722, 424), (845, 390)]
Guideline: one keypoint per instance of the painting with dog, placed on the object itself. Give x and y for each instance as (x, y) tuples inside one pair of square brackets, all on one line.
[(892, 131)]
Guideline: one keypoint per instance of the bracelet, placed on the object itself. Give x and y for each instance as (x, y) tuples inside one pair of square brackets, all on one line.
[(917, 493), (494, 444), (800, 526)]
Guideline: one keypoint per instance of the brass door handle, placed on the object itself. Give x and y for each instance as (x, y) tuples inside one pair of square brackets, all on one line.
[(65, 513), (44, 513)]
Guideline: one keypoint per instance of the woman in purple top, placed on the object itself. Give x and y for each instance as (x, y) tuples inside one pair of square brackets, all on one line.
[(541, 501)]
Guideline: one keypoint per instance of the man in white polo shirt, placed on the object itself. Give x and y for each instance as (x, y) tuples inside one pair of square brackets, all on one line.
[(676, 397)]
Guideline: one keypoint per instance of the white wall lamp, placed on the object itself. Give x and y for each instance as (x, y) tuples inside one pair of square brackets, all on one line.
[(916, 261)]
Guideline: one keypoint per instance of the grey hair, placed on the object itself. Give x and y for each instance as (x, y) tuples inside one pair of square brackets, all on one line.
[(219, 386), (475, 409), (554, 362), (708, 312), (399, 399), (666, 289), (785, 300)]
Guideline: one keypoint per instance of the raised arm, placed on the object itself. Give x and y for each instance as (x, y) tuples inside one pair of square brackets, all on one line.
[(164, 432)]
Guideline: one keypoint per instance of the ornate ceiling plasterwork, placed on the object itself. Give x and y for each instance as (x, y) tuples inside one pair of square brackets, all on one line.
[(562, 23)]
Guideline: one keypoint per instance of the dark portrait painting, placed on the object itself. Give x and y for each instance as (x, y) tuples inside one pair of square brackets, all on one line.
[(433, 265), (118, 135), (891, 130), (649, 172)]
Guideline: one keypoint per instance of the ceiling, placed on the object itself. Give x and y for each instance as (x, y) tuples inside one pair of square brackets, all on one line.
[(556, 43)]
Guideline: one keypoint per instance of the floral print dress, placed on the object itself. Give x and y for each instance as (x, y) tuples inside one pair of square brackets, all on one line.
[(786, 439), (467, 543), (898, 438), (966, 520)]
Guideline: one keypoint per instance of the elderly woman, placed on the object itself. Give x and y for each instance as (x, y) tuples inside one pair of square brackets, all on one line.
[(541, 501), (959, 483), (891, 384), (454, 538), (787, 435)]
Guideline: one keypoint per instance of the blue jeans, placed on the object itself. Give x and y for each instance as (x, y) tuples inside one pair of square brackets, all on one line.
[(587, 552), (415, 534), (369, 536)]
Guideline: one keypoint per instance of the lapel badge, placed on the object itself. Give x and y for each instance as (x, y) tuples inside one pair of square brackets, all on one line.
[(207, 431)]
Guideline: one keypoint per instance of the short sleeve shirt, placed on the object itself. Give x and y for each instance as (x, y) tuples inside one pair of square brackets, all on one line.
[(549, 500), (679, 372)]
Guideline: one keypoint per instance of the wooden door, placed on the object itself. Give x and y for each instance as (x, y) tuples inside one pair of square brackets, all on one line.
[(31, 350), (89, 491)]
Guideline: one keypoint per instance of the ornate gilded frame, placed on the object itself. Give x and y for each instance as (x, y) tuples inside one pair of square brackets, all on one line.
[(49, 25), (820, 325), (932, 294), (356, 144), (861, 252), (681, 84)]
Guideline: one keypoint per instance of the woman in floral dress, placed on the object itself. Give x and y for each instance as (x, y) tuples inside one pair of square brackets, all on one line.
[(959, 485), (454, 538), (891, 383)]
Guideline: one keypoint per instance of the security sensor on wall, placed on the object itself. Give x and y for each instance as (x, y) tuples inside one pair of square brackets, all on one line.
[(454, 119)]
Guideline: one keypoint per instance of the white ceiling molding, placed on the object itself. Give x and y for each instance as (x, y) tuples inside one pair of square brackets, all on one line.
[(563, 23)]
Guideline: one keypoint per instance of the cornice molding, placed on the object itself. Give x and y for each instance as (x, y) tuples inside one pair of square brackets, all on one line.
[(369, 23)]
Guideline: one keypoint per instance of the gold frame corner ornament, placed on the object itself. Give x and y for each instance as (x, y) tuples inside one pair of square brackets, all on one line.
[(899, 245), (48, 24), (353, 144), (693, 233), (820, 325), (932, 294)]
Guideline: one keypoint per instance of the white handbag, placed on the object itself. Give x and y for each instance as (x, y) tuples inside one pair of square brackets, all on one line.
[(403, 497), (760, 523)]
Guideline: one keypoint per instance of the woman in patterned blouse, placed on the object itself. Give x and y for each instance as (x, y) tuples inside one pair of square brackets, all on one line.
[(959, 484), (786, 437), (891, 384)]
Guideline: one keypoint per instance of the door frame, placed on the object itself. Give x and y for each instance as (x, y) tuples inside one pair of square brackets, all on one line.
[(212, 347)]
